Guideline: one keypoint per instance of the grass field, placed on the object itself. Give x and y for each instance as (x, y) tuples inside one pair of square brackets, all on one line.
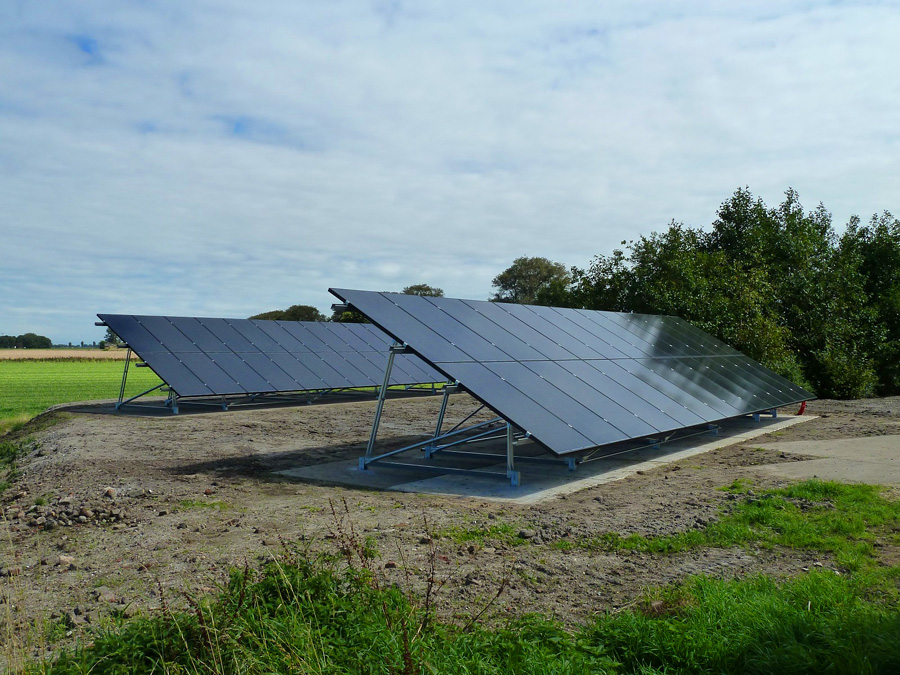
[(28, 387)]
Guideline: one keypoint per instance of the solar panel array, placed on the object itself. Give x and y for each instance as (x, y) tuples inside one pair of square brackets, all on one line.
[(579, 379), (203, 357)]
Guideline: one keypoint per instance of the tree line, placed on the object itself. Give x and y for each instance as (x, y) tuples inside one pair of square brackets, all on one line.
[(25, 341), (310, 313)]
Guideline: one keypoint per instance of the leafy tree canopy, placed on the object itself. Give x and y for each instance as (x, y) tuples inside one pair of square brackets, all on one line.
[(293, 313), (776, 283), (424, 289), (26, 341), (348, 317), (111, 338), (530, 281)]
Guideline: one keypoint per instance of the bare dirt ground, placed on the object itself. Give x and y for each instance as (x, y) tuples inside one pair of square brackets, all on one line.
[(114, 514)]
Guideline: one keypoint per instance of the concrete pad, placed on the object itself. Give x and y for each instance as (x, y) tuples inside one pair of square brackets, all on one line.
[(870, 459), (539, 481)]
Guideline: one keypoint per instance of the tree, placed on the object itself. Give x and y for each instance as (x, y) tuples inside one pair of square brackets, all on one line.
[(527, 279), (876, 248), (7, 341), (293, 313), (776, 283), (111, 338), (425, 290), (33, 341), (348, 316), (351, 316)]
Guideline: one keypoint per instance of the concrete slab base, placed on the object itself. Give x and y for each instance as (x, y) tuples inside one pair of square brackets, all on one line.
[(870, 459), (539, 481)]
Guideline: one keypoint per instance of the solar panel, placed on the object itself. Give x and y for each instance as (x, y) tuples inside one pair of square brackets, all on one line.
[(577, 379), (213, 356)]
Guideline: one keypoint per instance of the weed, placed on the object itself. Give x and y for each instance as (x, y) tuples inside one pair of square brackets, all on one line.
[(737, 487), (10, 452), (500, 532), (562, 545), (311, 508), (13, 423)]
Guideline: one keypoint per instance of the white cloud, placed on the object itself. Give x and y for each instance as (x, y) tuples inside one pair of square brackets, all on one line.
[(228, 158)]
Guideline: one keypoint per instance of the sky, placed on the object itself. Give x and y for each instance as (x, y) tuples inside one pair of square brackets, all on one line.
[(225, 158)]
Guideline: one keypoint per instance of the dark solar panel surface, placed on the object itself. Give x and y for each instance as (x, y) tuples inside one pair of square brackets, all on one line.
[(578, 379), (202, 357)]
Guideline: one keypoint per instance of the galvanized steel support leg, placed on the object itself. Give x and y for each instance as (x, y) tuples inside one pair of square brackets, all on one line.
[(511, 472), (440, 420), (363, 461), (124, 378)]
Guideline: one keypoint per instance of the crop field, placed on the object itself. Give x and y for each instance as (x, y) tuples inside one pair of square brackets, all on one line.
[(28, 387), (90, 354)]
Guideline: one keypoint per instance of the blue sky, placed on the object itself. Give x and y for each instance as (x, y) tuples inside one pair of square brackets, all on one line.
[(223, 158)]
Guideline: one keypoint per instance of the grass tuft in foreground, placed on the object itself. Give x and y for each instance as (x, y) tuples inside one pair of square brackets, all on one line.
[(298, 616), (336, 614)]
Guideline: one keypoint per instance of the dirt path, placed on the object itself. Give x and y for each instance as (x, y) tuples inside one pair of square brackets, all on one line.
[(110, 511)]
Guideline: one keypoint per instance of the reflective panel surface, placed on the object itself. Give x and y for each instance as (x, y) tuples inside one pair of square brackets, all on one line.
[(577, 379), (213, 356)]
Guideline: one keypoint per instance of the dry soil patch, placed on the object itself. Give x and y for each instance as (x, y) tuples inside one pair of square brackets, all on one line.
[(113, 513)]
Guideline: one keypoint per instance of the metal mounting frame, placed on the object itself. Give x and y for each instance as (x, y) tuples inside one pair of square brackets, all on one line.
[(441, 442), (226, 402)]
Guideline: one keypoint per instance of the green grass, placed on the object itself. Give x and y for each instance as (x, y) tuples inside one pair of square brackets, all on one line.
[(818, 623), (27, 388), (297, 616), (499, 532), (834, 518)]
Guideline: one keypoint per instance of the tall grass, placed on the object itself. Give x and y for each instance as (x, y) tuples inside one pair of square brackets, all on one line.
[(302, 616)]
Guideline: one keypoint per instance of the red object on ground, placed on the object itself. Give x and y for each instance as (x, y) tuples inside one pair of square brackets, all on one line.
[(802, 408)]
